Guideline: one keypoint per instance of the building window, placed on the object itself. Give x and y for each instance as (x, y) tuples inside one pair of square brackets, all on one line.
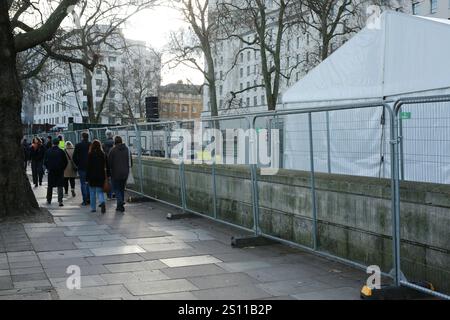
[(112, 59), (98, 82), (433, 6)]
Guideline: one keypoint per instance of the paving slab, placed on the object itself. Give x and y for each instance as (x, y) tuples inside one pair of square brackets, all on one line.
[(64, 254), (76, 233), (344, 293), (4, 272), (123, 258), (165, 247), (135, 266), (99, 244), (94, 293), (168, 296), (29, 277), (169, 254), (32, 284), (244, 266), (222, 280), (108, 237), (190, 261), (249, 292), (32, 270), (6, 283), (85, 281), (193, 271), (282, 272), (61, 271), (162, 286), (117, 250), (129, 277)]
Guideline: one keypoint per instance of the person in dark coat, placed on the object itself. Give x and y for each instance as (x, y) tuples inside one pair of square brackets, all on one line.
[(119, 161), (49, 143), (107, 146), (80, 158), (37, 154), (55, 161), (96, 174)]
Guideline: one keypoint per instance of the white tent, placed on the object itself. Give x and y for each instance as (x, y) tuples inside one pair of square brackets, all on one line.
[(401, 55)]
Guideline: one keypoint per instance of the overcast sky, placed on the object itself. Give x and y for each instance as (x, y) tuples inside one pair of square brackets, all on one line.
[(154, 26)]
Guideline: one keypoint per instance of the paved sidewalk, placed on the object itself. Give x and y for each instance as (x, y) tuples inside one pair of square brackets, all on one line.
[(142, 255)]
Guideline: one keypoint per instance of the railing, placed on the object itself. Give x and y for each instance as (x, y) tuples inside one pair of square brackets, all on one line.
[(315, 129)]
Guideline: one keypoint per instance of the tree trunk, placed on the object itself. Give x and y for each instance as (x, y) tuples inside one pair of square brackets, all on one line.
[(90, 96), (16, 196)]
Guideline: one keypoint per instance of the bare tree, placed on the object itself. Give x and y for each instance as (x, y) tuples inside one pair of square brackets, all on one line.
[(269, 26), (139, 78), (16, 196), (24, 26), (325, 22), (194, 47)]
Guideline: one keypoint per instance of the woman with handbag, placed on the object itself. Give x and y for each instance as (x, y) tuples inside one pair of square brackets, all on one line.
[(96, 175), (71, 170)]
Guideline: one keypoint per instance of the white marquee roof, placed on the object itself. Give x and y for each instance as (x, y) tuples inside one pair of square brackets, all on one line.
[(404, 54)]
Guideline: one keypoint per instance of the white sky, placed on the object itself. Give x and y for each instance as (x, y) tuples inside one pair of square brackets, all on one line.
[(154, 26)]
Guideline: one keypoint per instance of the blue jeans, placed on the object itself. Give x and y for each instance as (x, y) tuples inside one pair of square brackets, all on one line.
[(101, 197), (119, 189), (84, 186)]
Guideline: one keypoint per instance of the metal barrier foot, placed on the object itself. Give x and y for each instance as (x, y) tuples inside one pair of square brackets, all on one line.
[(178, 216), (251, 241), (396, 293)]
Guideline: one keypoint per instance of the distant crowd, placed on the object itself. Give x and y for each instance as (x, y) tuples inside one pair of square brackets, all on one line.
[(101, 168)]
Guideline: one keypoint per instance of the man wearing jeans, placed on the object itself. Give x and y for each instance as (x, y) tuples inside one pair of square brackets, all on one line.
[(56, 162), (80, 157), (119, 161)]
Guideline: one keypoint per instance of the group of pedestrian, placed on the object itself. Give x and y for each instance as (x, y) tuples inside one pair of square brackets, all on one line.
[(100, 168), (100, 165)]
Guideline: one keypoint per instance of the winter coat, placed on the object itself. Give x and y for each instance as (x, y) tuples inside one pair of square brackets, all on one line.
[(96, 169), (56, 162), (108, 145), (119, 162), (80, 155), (70, 171), (37, 154)]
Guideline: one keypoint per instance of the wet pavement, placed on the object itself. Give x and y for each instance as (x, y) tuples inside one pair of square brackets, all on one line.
[(142, 255)]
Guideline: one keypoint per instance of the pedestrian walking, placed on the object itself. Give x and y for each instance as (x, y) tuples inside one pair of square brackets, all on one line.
[(49, 143), (120, 162), (80, 158), (56, 162), (71, 170), (62, 144), (107, 146), (37, 154), (96, 175)]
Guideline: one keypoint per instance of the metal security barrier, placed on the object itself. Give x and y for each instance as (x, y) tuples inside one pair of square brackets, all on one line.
[(158, 139), (400, 172)]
